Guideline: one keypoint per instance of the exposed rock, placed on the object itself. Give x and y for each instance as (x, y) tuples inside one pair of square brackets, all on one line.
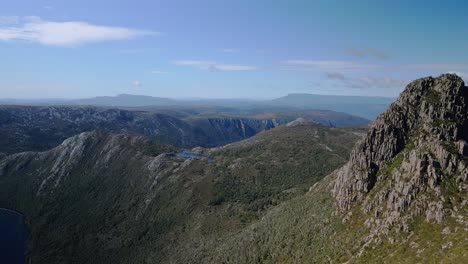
[(25, 128), (412, 161), (298, 122), (446, 231)]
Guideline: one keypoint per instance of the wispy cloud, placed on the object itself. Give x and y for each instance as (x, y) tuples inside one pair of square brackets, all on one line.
[(329, 65), (365, 82), (366, 52), (436, 66), (67, 34), (158, 72), (214, 66), (229, 50), (136, 83)]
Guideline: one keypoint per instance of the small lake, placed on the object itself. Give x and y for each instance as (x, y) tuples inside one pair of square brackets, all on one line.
[(13, 236), (190, 155)]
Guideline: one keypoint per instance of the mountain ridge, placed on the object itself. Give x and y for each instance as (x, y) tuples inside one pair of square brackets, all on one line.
[(41, 128), (124, 198), (366, 107)]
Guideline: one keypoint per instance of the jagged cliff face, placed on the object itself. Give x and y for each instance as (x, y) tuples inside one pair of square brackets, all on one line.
[(41, 128), (413, 160)]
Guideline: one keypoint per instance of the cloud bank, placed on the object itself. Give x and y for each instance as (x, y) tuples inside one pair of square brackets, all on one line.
[(66, 34), (329, 65)]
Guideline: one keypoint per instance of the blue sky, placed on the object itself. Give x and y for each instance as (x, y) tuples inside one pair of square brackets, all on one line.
[(226, 49)]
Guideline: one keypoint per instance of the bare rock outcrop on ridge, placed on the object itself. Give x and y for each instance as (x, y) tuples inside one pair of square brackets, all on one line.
[(413, 160)]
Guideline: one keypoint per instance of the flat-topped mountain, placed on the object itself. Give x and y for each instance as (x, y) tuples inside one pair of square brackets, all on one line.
[(367, 107)]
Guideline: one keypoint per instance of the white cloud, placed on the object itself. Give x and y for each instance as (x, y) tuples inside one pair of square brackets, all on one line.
[(214, 66), (67, 34), (137, 83), (48, 7), (159, 72), (329, 65)]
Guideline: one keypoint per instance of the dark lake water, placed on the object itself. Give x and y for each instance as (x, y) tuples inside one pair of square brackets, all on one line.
[(13, 235), (190, 155)]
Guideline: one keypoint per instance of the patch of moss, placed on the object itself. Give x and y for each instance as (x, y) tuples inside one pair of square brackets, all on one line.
[(450, 147), (442, 122), (396, 162), (432, 97)]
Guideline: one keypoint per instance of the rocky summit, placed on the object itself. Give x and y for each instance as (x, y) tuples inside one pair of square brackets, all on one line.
[(413, 160)]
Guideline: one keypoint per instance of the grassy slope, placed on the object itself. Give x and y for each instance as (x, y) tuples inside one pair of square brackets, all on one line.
[(306, 230), (270, 167), (251, 178)]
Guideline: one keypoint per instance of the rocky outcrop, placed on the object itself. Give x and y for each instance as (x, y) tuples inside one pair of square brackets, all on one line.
[(413, 160), (88, 152), (298, 122)]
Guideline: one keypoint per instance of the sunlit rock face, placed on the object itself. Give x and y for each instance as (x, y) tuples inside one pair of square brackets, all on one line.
[(413, 160)]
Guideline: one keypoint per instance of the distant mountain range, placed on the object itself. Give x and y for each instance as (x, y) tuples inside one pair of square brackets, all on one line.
[(126, 100), (367, 107), (25, 128)]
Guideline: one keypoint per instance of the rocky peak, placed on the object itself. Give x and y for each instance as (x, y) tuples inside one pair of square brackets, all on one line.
[(411, 149), (299, 121)]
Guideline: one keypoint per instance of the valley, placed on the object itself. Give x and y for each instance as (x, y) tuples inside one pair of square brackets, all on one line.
[(38, 128), (118, 186), (233, 132), (298, 192)]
